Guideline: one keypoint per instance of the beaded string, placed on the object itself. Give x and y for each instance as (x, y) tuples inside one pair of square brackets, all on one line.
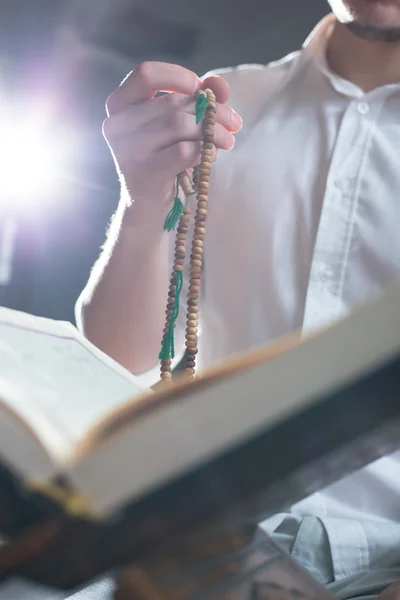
[(180, 215)]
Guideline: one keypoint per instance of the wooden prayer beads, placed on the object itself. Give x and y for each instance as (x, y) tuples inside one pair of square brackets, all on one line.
[(201, 179)]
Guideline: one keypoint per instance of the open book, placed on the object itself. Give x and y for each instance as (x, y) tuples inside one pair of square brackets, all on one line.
[(66, 408), (255, 432)]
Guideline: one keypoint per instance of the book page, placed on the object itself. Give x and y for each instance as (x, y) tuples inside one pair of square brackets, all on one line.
[(67, 384)]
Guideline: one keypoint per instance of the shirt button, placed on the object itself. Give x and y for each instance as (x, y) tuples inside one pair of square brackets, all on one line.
[(341, 185), (326, 274), (362, 108)]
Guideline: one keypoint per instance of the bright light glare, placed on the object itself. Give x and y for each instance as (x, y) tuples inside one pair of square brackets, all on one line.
[(28, 170)]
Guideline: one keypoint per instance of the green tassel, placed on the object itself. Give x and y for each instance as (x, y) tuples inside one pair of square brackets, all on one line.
[(174, 215), (201, 107), (168, 347)]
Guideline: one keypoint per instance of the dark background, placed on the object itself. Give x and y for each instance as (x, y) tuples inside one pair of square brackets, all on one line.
[(75, 53)]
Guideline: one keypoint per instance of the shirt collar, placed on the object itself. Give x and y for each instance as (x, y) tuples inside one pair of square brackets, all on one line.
[(315, 50)]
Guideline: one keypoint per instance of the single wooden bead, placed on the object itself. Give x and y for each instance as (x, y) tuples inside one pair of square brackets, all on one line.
[(209, 138), (196, 263), (178, 267), (168, 312), (166, 375), (194, 310), (202, 204), (192, 323), (190, 330), (201, 211), (192, 302), (194, 281), (190, 361), (189, 372), (200, 220), (204, 185), (191, 338), (193, 295), (198, 243), (206, 178), (202, 198), (206, 164), (206, 156), (180, 247), (183, 229), (191, 316), (165, 368), (192, 350), (192, 291), (199, 230), (196, 256)]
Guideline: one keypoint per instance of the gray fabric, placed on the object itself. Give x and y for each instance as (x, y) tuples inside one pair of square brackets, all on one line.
[(18, 589), (352, 559)]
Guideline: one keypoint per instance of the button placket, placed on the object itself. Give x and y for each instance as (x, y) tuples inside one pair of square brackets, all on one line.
[(323, 301)]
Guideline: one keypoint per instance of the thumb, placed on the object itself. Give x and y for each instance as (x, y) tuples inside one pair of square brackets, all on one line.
[(219, 86)]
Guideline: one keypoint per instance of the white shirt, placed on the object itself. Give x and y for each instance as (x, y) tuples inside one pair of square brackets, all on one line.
[(303, 225)]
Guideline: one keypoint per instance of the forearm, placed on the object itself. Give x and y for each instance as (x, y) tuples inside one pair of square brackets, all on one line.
[(122, 307)]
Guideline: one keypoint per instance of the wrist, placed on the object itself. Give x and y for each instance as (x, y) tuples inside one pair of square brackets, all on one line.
[(142, 223)]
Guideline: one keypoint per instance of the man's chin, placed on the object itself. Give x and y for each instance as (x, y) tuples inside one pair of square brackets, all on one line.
[(375, 33), (371, 19)]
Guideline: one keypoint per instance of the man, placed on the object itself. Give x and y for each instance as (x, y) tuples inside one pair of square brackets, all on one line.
[(302, 227)]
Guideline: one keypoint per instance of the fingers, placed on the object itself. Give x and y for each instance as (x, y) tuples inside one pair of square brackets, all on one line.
[(177, 127), (164, 133), (168, 107), (219, 86), (178, 157), (148, 79), (152, 137)]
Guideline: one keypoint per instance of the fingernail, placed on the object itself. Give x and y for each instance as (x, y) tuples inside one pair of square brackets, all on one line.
[(237, 120)]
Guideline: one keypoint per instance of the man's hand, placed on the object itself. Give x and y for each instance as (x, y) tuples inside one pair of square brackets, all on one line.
[(153, 138)]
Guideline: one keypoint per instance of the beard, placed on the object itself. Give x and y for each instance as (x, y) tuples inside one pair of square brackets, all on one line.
[(390, 35)]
